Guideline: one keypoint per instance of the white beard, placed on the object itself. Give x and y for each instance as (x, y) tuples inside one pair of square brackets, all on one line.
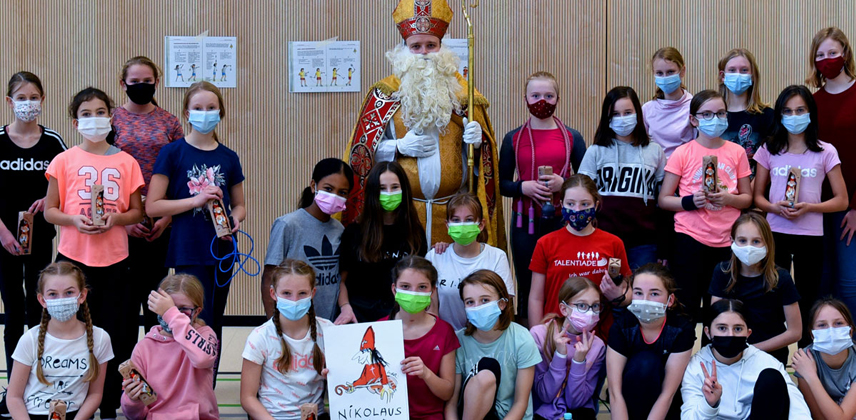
[(429, 87)]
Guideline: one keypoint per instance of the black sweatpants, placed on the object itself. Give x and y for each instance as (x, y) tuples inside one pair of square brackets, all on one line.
[(806, 253), (770, 400), (522, 247), (692, 265), (145, 271)]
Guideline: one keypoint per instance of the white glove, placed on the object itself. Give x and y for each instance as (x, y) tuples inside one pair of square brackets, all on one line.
[(472, 133), (416, 145)]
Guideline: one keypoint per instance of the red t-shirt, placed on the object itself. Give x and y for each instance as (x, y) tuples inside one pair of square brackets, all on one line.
[(431, 347), (549, 151), (561, 255), (836, 125)]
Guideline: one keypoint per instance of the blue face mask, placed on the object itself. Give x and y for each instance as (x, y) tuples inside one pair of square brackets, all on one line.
[(578, 220), (293, 310), (713, 127), (668, 84), (737, 83), (204, 121), (623, 125), (484, 317), (796, 124)]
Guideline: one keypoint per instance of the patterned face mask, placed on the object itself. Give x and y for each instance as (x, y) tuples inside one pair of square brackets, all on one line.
[(541, 109), (27, 111), (63, 309)]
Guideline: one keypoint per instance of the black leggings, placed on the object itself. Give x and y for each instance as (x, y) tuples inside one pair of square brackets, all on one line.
[(806, 253), (771, 399), (522, 247), (18, 274), (145, 271), (486, 363), (109, 290), (692, 265), (646, 368)]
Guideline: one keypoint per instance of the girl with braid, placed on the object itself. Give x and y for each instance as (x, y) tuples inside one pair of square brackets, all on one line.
[(284, 365), (176, 358), (73, 352)]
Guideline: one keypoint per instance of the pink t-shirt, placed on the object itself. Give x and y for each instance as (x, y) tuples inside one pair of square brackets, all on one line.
[(76, 171), (668, 122), (710, 225), (813, 166), (431, 347)]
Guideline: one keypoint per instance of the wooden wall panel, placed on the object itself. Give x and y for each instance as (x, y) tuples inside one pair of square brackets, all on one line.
[(279, 136)]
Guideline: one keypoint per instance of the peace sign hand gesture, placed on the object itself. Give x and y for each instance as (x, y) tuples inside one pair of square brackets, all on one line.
[(561, 339), (583, 345), (712, 390)]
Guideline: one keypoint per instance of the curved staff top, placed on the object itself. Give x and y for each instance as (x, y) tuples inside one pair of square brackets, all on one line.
[(381, 114)]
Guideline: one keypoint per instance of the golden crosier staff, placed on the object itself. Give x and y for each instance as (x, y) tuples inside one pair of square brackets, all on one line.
[(470, 88)]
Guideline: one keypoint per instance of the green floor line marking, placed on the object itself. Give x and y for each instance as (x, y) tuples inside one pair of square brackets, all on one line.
[(229, 405), (229, 380)]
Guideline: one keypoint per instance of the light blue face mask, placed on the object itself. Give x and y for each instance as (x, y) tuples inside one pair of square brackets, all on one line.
[(737, 83), (293, 310), (484, 317), (796, 124), (668, 84), (204, 121), (623, 125), (713, 127)]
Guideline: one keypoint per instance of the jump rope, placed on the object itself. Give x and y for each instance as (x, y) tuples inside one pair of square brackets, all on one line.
[(234, 256)]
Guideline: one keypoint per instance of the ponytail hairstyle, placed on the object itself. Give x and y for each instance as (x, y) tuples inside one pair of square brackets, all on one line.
[(778, 141), (89, 94), (670, 54), (755, 105), (492, 280), (371, 218), (665, 276), (324, 168), (768, 264), (189, 286), (21, 78), (206, 87), (471, 202), (722, 306), (415, 263), (65, 268), (815, 78), (292, 267), (572, 287), (142, 61), (604, 136)]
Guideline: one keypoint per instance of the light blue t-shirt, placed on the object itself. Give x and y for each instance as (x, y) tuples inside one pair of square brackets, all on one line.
[(514, 349)]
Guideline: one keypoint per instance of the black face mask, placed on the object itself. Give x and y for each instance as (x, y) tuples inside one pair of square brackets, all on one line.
[(141, 93), (729, 347)]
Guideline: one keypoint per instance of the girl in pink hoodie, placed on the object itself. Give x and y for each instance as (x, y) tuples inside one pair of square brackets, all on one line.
[(176, 358)]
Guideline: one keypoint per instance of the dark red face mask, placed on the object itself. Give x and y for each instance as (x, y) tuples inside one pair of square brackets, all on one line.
[(542, 109), (830, 68)]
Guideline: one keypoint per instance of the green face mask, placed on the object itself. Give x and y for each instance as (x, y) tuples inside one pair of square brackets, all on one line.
[(412, 302), (390, 200), (464, 233)]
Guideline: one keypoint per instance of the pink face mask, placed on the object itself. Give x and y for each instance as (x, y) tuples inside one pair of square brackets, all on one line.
[(582, 321), (330, 203)]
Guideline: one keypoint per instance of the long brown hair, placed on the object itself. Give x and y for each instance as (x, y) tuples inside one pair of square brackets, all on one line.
[(673, 55), (415, 263), (572, 287), (834, 304), (292, 267), (189, 286), (490, 279), (771, 274), (21, 78), (371, 219), (64, 268), (756, 105), (665, 276), (472, 203), (815, 79)]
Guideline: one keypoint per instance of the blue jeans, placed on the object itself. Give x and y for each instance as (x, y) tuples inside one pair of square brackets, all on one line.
[(839, 265), (641, 255)]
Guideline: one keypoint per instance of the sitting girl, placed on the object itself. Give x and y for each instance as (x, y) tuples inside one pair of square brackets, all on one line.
[(495, 365), (571, 355), (730, 379), (827, 368)]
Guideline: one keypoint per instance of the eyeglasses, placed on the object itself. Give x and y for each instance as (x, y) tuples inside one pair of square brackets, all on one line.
[(799, 111), (584, 307), (187, 311), (707, 115)]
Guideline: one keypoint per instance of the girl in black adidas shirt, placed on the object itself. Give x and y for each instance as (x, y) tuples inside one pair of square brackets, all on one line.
[(26, 149)]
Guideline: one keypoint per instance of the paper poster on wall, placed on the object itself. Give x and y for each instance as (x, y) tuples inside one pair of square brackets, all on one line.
[(191, 59), (324, 66), (365, 379), (459, 47)]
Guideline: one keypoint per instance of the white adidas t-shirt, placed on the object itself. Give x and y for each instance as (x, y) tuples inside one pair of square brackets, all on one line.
[(64, 363), (283, 394), (451, 269)]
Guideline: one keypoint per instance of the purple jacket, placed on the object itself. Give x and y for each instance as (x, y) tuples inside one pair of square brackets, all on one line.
[(582, 378)]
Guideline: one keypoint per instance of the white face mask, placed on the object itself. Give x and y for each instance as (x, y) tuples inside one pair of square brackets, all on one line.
[(94, 129), (748, 254), (647, 311), (27, 110), (62, 309), (832, 340)]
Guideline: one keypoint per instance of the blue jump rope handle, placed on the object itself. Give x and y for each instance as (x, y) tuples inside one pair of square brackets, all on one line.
[(235, 257)]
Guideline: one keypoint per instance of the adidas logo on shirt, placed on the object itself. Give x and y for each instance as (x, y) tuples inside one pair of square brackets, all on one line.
[(21, 165)]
